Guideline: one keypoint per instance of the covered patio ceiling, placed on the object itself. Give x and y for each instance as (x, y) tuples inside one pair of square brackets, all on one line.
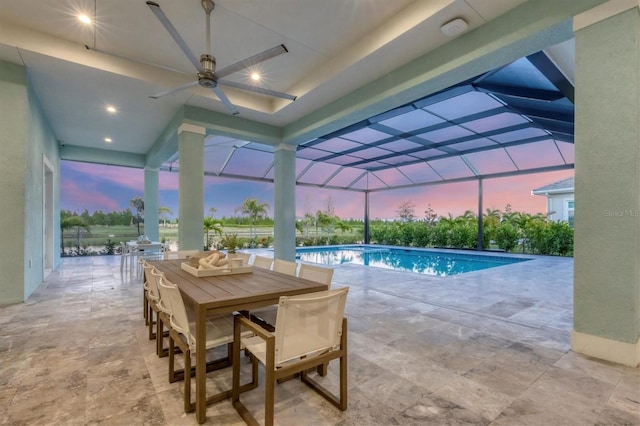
[(515, 119)]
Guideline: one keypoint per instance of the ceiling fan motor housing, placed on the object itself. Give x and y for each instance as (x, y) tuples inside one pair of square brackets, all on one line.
[(206, 77)]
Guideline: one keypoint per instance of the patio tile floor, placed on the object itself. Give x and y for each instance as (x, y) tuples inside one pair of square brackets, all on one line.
[(488, 347)]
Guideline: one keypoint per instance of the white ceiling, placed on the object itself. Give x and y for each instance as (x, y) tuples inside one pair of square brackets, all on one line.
[(335, 47)]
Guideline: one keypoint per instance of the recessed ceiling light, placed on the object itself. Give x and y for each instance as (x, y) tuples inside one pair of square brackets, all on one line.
[(84, 19), (111, 109), (255, 76), (107, 140)]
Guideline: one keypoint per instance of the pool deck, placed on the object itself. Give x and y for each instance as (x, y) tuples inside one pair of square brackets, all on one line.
[(489, 347)]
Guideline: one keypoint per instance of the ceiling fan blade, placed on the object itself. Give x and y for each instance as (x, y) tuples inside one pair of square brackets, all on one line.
[(258, 90), (232, 109), (155, 8), (174, 90), (255, 59), (137, 60)]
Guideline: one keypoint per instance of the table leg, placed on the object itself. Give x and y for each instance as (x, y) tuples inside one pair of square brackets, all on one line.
[(201, 365)]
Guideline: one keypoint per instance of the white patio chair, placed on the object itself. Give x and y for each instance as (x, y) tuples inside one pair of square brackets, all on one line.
[(285, 267), (183, 333), (125, 255), (267, 316), (310, 330), (262, 262), (151, 296)]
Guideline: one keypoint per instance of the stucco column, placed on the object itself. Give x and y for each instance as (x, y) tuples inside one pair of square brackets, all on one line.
[(607, 184), (191, 187), (151, 206), (284, 200)]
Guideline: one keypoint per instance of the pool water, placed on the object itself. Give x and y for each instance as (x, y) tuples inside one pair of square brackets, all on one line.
[(430, 262)]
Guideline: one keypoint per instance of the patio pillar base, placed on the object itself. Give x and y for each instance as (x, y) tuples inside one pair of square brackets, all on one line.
[(606, 349)]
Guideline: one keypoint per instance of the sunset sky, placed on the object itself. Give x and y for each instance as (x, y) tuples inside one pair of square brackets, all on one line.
[(108, 188)]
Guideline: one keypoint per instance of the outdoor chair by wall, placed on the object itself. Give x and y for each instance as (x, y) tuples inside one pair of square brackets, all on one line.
[(310, 330), (182, 333), (180, 254), (262, 262)]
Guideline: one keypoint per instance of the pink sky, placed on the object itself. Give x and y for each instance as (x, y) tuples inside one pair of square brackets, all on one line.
[(108, 188)]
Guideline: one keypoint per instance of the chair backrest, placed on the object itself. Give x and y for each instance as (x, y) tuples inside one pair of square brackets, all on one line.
[(262, 262), (150, 251), (285, 267), (179, 319), (240, 255), (318, 274), (152, 280), (163, 303), (180, 254), (309, 323)]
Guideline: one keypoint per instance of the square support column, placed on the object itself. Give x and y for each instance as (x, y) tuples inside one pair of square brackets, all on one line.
[(284, 211), (607, 214), (151, 212), (191, 187)]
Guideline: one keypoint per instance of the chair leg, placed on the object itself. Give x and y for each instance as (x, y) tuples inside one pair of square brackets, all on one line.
[(172, 355), (160, 337), (152, 335), (269, 397), (145, 307), (188, 407)]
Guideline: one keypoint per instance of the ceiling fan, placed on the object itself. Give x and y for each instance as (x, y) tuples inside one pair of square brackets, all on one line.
[(206, 66)]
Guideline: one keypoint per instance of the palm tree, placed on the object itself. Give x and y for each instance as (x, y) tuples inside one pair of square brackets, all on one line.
[(254, 210), (210, 224), (138, 204), (164, 211), (72, 222), (342, 227), (324, 221)]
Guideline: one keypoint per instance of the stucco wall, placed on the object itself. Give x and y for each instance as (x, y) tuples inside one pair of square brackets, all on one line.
[(13, 113), (26, 138), (40, 143)]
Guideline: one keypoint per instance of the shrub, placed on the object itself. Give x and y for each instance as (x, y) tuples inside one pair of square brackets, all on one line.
[(506, 237)]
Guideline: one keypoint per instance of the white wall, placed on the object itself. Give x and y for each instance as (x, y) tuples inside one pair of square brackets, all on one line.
[(557, 203)]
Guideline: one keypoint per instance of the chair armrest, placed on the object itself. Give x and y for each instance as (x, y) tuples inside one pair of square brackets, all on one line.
[(259, 331)]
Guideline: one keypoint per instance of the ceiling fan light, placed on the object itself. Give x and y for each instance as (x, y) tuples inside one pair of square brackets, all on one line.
[(255, 76), (84, 19)]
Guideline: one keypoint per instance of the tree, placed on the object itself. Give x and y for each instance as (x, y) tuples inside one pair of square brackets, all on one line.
[(138, 204), (324, 221), (210, 224), (309, 221), (430, 216), (406, 211), (164, 211), (254, 210), (342, 226), (72, 222), (212, 210)]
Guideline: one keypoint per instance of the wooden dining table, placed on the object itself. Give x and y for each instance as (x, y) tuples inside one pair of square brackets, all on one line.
[(225, 294)]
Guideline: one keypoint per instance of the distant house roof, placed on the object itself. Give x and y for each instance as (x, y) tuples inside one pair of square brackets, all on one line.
[(560, 187)]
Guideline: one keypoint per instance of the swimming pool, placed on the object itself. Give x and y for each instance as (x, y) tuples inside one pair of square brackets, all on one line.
[(423, 261)]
